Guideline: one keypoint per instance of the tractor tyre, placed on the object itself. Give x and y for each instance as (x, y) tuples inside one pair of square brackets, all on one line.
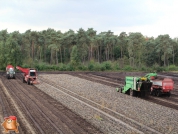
[(169, 94), (153, 92), (120, 90), (23, 80), (28, 82), (158, 93), (131, 92)]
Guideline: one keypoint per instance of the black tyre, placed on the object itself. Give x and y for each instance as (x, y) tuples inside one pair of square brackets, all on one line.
[(117, 89), (120, 90), (169, 94), (28, 82), (131, 92), (23, 80), (152, 92), (158, 93)]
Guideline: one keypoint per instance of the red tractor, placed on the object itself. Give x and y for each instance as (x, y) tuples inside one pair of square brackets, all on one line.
[(30, 75), (10, 72)]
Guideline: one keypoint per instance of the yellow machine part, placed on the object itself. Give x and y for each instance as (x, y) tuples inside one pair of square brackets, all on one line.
[(143, 78)]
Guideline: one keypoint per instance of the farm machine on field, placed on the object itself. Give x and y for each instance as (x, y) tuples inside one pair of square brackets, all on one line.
[(160, 87), (149, 84), (30, 75), (10, 72), (136, 86)]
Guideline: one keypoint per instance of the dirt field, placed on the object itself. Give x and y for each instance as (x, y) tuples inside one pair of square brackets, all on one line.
[(39, 112)]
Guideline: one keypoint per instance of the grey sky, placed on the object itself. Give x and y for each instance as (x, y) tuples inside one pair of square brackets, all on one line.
[(150, 17)]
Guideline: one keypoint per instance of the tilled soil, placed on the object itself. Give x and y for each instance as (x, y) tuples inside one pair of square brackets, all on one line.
[(40, 112), (117, 80), (154, 118), (37, 112)]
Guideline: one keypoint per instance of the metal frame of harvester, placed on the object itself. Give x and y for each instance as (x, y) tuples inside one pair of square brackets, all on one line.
[(30, 75)]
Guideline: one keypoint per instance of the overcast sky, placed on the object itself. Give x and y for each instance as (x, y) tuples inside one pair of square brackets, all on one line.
[(150, 17)]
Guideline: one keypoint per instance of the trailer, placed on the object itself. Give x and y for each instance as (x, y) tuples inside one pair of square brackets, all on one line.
[(10, 72), (160, 87), (30, 75), (135, 86)]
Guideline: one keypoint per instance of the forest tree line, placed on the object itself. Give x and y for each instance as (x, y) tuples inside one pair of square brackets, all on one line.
[(54, 48)]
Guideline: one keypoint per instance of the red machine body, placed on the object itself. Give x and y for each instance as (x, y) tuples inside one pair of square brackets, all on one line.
[(9, 66), (160, 87), (30, 75)]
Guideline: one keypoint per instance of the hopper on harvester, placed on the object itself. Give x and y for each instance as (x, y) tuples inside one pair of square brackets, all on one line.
[(151, 76)]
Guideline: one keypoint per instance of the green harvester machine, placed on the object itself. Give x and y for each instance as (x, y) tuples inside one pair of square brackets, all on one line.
[(136, 86)]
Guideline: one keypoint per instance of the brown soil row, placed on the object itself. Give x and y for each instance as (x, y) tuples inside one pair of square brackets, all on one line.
[(43, 113)]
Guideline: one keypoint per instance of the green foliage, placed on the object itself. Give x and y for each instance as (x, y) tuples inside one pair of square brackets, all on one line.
[(172, 68), (82, 67), (115, 66), (128, 68), (107, 65), (74, 58), (160, 69), (44, 49), (97, 67), (40, 66), (103, 67), (91, 66), (70, 67), (62, 67)]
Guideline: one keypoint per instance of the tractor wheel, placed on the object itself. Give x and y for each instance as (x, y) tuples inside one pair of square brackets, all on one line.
[(117, 89), (152, 92), (142, 93), (169, 94), (132, 92), (23, 80), (158, 93), (28, 82), (120, 90)]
